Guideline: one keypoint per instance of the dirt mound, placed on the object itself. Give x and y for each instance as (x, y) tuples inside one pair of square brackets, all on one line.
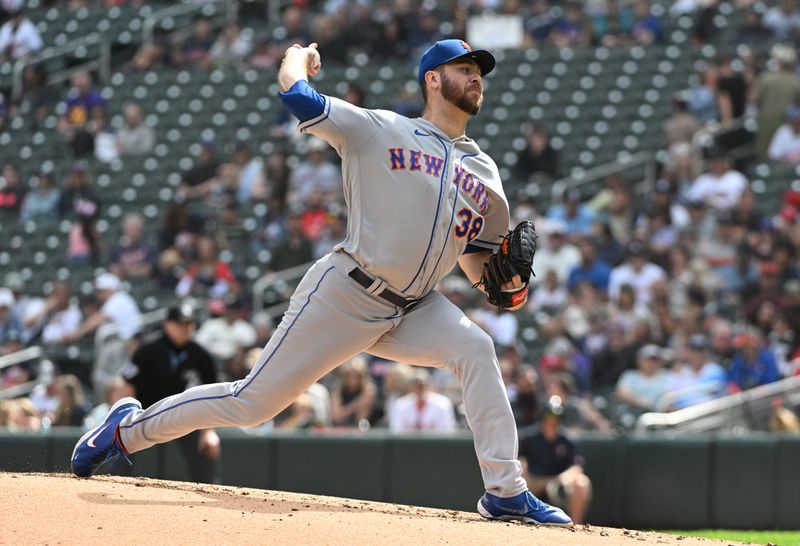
[(60, 509)]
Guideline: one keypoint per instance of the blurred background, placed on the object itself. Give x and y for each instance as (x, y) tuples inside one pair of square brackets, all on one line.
[(146, 161)]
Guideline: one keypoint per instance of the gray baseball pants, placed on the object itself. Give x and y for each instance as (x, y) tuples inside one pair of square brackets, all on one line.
[(330, 319)]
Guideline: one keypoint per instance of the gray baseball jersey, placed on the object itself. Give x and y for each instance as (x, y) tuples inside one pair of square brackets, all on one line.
[(416, 199)]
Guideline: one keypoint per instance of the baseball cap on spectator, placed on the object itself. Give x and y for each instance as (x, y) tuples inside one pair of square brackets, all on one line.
[(697, 342), (789, 213), (636, 248), (550, 362), (650, 351), (663, 186), (572, 195), (445, 51), (6, 297), (180, 312), (107, 281)]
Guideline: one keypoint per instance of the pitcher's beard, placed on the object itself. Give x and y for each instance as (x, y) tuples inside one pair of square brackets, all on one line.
[(460, 98)]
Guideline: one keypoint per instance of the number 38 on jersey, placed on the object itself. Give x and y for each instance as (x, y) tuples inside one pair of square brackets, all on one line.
[(469, 224)]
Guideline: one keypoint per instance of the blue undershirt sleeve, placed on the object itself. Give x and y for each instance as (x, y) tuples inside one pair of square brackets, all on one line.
[(303, 101)]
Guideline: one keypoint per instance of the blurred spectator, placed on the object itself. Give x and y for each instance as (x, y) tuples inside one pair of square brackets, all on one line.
[(265, 56), (626, 309), (612, 360), (682, 125), (422, 409), (644, 386), (785, 144), (731, 92), (19, 414), (571, 29), (133, 257), (753, 363), (316, 176), (783, 20), (701, 96), (554, 469), (10, 328), (301, 415), (294, 249), (18, 37), (647, 28), (82, 106), (72, 408), (168, 363), (27, 307), (577, 215), (775, 91), (199, 180), (721, 187), (134, 137), (550, 296), (207, 276), (752, 29), (79, 202), (556, 253), (41, 202), (525, 395), (609, 249), (116, 388), (396, 384), (538, 158), (698, 379), (590, 269), (232, 46), (244, 174), (225, 335), (541, 22), (38, 97), (636, 271), (194, 52), (353, 398), (116, 322), (11, 190), (500, 324), (61, 315)]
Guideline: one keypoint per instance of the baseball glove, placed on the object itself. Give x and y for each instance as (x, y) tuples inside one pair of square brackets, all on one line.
[(514, 257)]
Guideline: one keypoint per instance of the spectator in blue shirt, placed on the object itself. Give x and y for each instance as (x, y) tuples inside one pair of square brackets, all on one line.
[(590, 269), (753, 363), (578, 216)]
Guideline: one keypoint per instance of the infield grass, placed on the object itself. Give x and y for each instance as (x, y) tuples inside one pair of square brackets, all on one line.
[(780, 538)]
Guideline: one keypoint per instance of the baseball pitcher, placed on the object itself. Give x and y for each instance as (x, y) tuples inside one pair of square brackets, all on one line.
[(421, 197)]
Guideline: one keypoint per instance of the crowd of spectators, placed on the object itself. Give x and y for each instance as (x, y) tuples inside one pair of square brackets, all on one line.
[(640, 303)]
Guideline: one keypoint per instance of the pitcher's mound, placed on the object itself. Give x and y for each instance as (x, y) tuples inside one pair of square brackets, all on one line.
[(59, 509)]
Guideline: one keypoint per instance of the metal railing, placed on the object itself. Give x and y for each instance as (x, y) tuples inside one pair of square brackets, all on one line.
[(279, 279), (747, 409), (18, 357), (646, 160), (101, 64), (230, 13)]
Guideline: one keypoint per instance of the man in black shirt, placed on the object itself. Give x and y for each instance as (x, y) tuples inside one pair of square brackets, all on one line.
[(168, 363), (554, 469)]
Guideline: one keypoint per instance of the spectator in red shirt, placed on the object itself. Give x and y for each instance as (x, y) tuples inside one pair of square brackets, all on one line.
[(208, 275)]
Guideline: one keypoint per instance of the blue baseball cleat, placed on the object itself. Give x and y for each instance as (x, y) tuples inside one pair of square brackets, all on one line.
[(525, 507), (101, 445)]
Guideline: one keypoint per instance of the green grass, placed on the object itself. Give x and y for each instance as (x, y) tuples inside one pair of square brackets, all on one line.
[(781, 538)]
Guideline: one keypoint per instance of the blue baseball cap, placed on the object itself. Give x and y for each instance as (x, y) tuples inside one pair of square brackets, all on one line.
[(445, 51)]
